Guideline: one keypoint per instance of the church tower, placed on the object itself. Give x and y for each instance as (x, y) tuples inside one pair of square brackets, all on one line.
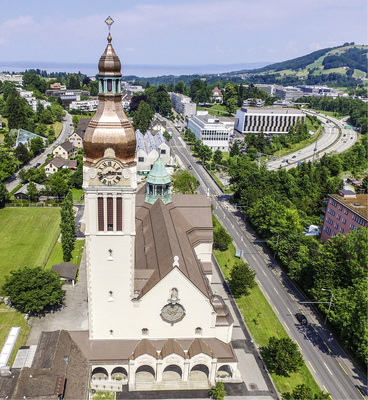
[(109, 182)]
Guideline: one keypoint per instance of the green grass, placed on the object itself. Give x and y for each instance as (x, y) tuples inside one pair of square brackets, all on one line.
[(9, 318), (77, 194), (263, 323), (58, 127), (56, 256), (300, 145), (26, 236), (103, 395)]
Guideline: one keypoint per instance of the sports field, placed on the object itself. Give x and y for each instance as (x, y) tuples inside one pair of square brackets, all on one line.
[(27, 235)]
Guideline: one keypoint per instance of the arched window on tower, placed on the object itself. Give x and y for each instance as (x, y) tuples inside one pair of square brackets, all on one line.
[(109, 85), (159, 190)]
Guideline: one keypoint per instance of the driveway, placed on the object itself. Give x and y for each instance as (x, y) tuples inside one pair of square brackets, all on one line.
[(73, 315)]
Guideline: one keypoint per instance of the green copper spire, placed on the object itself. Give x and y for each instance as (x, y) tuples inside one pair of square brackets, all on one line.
[(158, 184)]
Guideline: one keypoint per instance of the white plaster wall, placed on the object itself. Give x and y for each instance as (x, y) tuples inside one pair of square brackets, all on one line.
[(204, 251)]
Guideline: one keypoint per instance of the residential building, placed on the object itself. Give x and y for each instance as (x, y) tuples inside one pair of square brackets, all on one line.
[(57, 163), (254, 103), (16, 78), (213, 131), (31, 100), (183, 104), (149, 149), (345, 211), (217, 96), (84, 105), (57, 86), (269, 120), (157, 126), (76, 137), (64, 150), (22, 192)]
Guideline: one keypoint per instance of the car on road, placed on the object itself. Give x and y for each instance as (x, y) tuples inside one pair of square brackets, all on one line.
[(189, 167), (301, 318), (37, 165), (293, 157)]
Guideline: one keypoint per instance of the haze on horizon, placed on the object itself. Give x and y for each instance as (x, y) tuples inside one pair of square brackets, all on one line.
[(178, 32)]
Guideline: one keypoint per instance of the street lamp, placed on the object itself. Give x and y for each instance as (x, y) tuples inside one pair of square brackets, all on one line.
[(329, 305)]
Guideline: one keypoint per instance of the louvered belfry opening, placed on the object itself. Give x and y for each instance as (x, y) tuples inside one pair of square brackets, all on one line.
[(110, 214), (101, 214), (119, 214)]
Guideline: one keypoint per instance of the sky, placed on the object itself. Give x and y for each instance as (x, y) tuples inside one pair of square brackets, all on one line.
[(177, 32)]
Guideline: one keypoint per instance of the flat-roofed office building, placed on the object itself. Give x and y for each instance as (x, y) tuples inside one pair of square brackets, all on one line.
[(269, 120)]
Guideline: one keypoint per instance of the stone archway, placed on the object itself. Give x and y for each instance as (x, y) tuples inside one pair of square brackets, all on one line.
[(199, 372), (224, 372), (172, 373), (100, 373), (119, 373), (145, 373)]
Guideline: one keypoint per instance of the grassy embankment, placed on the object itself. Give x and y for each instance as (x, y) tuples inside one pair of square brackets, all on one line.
[(263, 323)]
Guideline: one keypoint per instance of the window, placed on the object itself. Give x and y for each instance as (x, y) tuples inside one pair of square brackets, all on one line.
[(327, 230), (336, 226), (140, 159), (341, 230), (145, 332), (163, 151), (338, 217), (346, 211), (110, 214), (352, 226), (343, 221), (340, 208), (100, 207), (119, 214), (109, 85), (198, 331)]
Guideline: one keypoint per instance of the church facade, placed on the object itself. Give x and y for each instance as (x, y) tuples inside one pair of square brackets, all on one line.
[(154, 322)]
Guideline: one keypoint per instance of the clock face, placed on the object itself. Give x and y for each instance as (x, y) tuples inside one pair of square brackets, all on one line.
[(172, 313), (109, 172)]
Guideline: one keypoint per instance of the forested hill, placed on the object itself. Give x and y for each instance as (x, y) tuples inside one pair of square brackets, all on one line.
[(348, 57)]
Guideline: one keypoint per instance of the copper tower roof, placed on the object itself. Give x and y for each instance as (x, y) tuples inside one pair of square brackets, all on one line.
[(110, 127)]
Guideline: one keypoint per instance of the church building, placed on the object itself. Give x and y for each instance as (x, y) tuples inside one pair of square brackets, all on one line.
[(154, 322)]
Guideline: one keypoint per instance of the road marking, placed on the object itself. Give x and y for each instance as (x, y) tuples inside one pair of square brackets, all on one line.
[(259, 283), (287, 326), (328, 369), (298, 344), (274, 272), (282, 284), (267, 296), (312, 366), (360, 392), (276, 309), (266, 260), (288, 310), (343, 368), (264, 273), (327, 347), (275, 290), (292, 297)]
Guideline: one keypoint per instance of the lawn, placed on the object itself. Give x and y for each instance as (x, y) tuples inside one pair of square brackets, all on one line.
[(27, 236), (9, 318), (57, 254), (78, 195), (263, 323)]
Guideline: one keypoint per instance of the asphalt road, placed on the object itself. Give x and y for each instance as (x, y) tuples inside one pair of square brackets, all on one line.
[(335, 138), (328, 363), (67, 129)]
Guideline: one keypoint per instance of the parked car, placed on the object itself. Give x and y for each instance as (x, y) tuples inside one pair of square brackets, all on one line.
[(301, 318), (189, 167), (37, 165), (293, 157)]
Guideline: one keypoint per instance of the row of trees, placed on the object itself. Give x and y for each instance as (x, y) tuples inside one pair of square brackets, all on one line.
[(280, 204)]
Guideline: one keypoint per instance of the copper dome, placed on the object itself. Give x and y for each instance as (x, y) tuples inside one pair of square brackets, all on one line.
[(109, 128), (109, 63)]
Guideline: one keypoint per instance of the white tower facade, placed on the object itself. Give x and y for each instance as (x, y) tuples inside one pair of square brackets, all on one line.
[(109, 182)]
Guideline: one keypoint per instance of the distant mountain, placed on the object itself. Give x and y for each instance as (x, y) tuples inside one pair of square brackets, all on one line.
[(346, 57)]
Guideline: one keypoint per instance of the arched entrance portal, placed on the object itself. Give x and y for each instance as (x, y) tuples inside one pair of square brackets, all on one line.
[(145, 373), (199, 373)]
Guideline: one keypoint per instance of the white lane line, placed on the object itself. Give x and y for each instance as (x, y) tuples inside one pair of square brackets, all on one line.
[(328, 369), (288, 310), (276, 290)]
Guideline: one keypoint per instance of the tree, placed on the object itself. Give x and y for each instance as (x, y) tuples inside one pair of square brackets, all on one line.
[(22, 154), (221, 239), (17, 110), (4, 195), (242, 278), (217, 157), (142, 117), (205, 153), (184, 182), (32, 191), (218, 392), (67, 226), (234, 150), (58, 186), (231, 105), (36, 145), (33, 289), (284, 355)]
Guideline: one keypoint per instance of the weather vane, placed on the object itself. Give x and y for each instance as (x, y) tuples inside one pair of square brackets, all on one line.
[(109, 21)]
